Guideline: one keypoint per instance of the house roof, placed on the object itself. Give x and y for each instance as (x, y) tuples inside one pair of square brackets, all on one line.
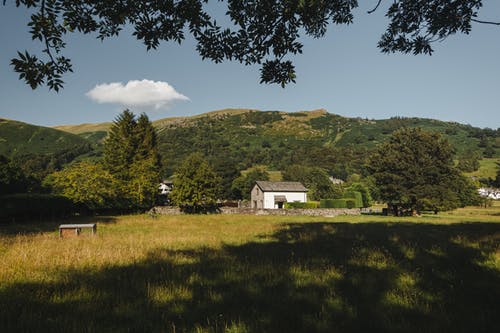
[(279, 198), (266, 186)]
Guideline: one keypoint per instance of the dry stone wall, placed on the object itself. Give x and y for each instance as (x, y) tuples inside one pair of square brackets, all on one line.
[(324, 212)]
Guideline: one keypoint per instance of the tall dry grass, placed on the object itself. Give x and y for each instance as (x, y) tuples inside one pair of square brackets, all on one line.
[(218, 273)]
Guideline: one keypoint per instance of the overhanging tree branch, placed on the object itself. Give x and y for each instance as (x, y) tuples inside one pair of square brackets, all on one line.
[(260, 33), (485, 22), (376, 7)]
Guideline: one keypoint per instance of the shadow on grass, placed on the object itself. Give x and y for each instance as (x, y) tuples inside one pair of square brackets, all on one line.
[(312, 277), (29, 228)]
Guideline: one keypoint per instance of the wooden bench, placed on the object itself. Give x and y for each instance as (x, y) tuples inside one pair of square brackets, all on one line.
[(75, 229)]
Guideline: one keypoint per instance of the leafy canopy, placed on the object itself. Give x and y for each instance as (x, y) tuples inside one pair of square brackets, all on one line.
[(414, 170), (128, 176), (85, 183), (315, 179), (196, 186), (260, 32), (242, 185)]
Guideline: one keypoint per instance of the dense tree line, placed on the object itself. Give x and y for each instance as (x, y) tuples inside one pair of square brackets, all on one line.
[(24, 173), (413, 171)]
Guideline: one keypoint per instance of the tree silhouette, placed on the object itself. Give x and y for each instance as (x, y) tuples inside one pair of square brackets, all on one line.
[(258, 32)]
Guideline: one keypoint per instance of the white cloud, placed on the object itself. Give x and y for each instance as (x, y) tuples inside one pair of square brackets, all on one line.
[(135, 93)]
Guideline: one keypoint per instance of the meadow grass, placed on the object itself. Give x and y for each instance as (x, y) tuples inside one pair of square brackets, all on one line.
[(243, 273), (487, 168)]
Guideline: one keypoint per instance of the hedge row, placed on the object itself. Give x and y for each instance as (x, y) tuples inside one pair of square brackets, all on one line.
[(301, 205), (356, 196), (22, 207), (336, 203), (351, 199)]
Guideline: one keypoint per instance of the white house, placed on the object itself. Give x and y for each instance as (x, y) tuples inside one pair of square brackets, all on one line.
[(490, 193), (165, 187), (273, 195)]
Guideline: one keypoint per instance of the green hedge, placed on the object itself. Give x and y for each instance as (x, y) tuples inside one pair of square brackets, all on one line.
[(21, 207), (350, 203), (333, 203), (301, 205), (356, 196)]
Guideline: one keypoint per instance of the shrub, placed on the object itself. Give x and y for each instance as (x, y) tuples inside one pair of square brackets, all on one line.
[(333, 203), (356, 196), (350, 203), (365, 193), (326, 203), (301, 205)]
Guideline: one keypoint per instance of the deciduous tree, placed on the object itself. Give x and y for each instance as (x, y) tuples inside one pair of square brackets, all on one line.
[(244, 183), (258, 32), (315, 179), (86, 183), (414, 170), (12, 180), (196, 186), (365, 193), (469, 161)]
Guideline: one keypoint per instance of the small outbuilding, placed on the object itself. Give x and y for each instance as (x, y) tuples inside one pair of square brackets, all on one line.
[(273, 195)]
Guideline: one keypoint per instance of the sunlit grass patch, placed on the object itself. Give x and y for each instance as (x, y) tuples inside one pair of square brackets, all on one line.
[(164, 294), (406, 294), (218, 273)]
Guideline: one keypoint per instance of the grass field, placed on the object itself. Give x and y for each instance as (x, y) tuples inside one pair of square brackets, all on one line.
[(255, 274), (487, 168)]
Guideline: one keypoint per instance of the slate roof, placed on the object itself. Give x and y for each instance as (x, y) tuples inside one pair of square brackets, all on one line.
[(279, 198), (266, 186)]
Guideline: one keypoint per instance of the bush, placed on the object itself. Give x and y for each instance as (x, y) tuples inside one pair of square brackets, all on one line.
[(21, 207), (333, 203), (356, 196), (301, 205), (326, 203), (350, 203), (365, 193)]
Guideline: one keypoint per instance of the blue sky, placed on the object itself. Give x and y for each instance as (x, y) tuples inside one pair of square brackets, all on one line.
[(343, 73)]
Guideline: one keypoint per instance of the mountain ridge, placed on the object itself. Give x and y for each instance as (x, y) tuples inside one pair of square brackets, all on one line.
[(167, 121)]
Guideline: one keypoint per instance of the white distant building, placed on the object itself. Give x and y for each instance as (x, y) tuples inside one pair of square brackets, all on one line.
[(273, 195), (491, 193), (336, 181), (165, 187)]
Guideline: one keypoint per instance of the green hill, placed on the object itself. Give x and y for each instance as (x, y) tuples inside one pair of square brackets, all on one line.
[(246, 137), (277, 139), (84, 128), (18, 138)]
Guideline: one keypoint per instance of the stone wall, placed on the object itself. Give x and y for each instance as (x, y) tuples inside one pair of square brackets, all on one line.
[(325, 212), (164, 210)]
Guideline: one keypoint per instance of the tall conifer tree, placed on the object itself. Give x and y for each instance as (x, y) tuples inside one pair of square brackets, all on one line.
[(120, 148), (131, 155)]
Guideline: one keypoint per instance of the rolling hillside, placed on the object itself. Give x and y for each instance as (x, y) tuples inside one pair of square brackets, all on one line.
[(18, 138), (277, 139), (241, 138)]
